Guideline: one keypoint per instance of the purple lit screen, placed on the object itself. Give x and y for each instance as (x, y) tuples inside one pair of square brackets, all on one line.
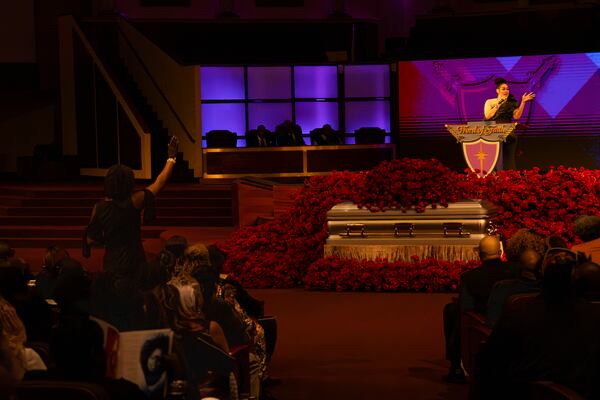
[(269, 82), (230, 116), (361, 114), (313, 115), (315, 82), (433, 93), (367, 80), (268, 114), (222, 83)]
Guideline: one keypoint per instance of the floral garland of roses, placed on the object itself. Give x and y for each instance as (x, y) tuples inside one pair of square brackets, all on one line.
[(287, 252)]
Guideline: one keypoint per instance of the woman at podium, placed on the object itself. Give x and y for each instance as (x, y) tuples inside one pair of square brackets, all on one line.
[(504, 109)]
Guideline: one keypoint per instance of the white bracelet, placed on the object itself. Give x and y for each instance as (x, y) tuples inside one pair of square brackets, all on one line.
[(171, 159)]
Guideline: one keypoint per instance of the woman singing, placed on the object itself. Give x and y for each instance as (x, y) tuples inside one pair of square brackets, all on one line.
[(504, 109)]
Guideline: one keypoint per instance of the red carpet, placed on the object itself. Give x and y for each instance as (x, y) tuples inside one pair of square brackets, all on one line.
[(359, 345)]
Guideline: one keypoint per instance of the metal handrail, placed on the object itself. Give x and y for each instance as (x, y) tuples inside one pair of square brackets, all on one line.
[(136, 120)]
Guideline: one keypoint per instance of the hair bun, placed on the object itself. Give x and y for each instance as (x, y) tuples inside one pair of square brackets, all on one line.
[(499, 81)]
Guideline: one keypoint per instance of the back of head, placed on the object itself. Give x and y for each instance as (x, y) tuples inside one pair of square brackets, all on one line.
[(555, 242), (490, 248), (72, 286), (587, 281), (176, 245), (195, 257), (77, 347), (529, 263), (52, 258), (12, 281), (119, 182), (587, 227), (522, 240), (557, 270)]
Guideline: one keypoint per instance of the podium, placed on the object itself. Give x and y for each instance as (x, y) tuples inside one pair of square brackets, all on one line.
[(481, 143)]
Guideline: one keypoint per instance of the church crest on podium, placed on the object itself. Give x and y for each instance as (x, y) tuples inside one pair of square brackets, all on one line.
[(481, 156)]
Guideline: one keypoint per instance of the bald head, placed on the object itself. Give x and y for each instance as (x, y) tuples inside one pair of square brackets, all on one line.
[(529, 263), (489, 248)]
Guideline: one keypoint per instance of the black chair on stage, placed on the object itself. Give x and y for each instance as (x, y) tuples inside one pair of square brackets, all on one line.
[(369, 135), (322, 137), (221, 138)]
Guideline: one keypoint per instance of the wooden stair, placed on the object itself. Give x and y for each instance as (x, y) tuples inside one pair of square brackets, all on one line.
[(40, 215)]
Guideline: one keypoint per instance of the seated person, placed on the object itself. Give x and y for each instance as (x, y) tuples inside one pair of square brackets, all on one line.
[(326, 136), (31, 308), (587, 228), (260, 137), (57, 264), (527, 282), (552, 338), (288, 134)]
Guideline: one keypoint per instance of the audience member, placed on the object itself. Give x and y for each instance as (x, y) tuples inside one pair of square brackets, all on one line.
[(288, 134), (116, 224), (9, 259), (202, 343), (45, 280), (77, 349), (527, 282), (523, 239), (33, 311), (116, 220), (587, 281), (552, 338), (587, 227), (19, 358), (260, 137), (475, 288)]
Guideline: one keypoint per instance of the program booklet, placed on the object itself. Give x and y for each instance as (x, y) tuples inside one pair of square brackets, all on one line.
[(138, 356)]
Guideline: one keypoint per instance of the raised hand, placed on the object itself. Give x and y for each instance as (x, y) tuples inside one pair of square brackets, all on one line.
[(173, 147), (528, 96)]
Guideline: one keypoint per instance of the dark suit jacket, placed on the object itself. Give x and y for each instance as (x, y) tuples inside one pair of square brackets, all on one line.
[(252, 138), (476, 284), (289, 136), (501, 291), (541, 342)]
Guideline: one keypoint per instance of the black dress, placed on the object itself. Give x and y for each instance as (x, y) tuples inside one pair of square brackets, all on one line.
[(504, 115), (117, 225)]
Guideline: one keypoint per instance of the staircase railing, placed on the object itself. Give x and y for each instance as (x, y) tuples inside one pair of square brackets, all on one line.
[(128, 141), (160, 92), (172, 89)]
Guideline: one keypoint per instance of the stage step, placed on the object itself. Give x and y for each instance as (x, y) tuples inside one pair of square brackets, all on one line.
[(86, 211), (35, 216), (161, 201)]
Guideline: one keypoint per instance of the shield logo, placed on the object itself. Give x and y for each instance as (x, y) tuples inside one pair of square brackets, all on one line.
[(481, 156)]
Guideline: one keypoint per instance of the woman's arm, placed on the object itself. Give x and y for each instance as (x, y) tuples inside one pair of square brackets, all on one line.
[(490, 108), (138, 197), (519, 110)]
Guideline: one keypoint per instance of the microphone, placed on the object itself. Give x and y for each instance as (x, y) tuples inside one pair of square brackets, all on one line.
[(501, 101)]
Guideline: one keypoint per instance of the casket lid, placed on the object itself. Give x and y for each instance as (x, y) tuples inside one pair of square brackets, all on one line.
[(473, 208)]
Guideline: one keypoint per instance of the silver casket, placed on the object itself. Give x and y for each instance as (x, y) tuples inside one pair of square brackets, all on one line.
[(445, 233)]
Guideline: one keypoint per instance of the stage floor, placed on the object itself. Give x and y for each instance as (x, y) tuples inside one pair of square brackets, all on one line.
[(355, 346)]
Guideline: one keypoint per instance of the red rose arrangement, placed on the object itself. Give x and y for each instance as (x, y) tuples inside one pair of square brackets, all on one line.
[(288, 251)]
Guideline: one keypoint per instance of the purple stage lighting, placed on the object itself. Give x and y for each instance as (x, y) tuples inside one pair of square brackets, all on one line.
[(222, 83)]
